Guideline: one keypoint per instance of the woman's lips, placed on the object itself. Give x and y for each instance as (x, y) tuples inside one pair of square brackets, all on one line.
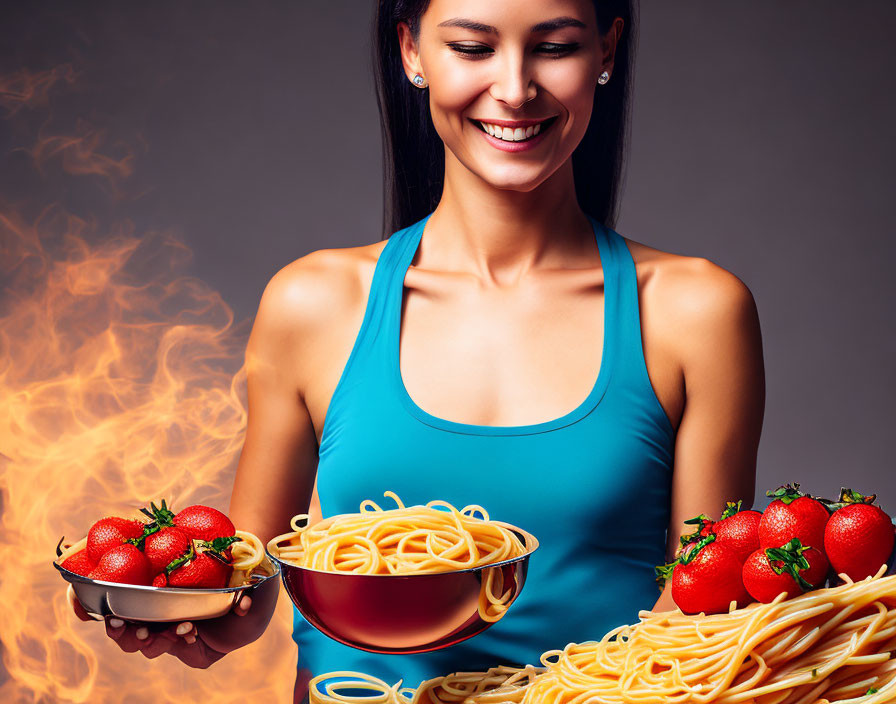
[(520, 146)]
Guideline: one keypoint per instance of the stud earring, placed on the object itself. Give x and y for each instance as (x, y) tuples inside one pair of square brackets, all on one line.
[(603, 78), (419, 81)]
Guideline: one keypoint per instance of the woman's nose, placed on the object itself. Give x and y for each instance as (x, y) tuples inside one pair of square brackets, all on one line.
[(512, 83)]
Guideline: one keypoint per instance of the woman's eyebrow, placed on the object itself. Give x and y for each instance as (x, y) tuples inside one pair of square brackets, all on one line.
[(546, 26)]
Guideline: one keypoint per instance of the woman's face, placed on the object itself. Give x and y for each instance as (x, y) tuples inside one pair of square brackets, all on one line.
[(490, 65)]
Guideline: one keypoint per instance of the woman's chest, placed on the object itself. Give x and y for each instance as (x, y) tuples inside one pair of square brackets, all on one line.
[(499, 358), (493, 358)]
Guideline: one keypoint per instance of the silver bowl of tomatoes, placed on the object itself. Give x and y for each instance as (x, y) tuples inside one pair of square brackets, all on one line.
[(184, 566)]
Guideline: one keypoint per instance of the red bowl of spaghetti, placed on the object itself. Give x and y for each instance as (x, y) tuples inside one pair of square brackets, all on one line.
[(407, 580)]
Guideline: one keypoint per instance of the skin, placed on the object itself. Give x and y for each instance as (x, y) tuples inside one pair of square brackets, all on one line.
[(509, 261)]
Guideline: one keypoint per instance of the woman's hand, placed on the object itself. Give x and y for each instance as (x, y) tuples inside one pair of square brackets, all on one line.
[(195, 644)]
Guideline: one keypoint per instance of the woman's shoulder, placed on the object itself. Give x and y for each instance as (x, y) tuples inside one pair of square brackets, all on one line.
[(326, 282), (700, 329), (310, 310), (695, 314), (691, 291), (308, 315)]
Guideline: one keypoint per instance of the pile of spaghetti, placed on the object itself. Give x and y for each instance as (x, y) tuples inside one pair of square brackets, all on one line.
[(407, 540), (824, 646), (499, 684)]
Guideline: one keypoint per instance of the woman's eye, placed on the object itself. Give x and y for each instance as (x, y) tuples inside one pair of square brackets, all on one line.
[(481, 50), (559, 48), (470, 49)]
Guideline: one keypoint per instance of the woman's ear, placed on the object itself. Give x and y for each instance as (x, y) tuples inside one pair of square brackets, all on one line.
[(410, 56), (608, 43)]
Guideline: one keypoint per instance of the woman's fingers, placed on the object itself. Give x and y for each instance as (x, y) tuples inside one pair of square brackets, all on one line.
[(76, 605), (130, 637), (197, 654), (184, 628), (187, 631), (243, 606), (181, 641), (157, 644), (115, 628), (124, 635)]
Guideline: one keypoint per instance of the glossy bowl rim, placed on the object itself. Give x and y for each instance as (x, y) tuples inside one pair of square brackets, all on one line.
[(165, 590), (530, 540)]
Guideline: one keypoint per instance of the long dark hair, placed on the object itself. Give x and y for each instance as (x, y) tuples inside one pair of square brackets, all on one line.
[(413, 153)]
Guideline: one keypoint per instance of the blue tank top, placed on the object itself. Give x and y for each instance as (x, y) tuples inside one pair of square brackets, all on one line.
[(593, 485)]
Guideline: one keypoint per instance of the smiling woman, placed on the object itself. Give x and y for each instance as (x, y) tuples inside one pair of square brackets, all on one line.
[(491, 350), (504, 346), (558, 52)]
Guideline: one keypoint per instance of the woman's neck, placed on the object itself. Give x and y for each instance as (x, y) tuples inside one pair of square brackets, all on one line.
[(500, 235)]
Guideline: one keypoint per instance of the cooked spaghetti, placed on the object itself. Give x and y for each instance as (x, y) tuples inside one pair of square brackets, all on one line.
[(407, 540), (825, 646), (499, 684), (247, 555)]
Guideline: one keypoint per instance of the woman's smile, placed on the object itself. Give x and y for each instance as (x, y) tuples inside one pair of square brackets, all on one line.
[(514, 135)]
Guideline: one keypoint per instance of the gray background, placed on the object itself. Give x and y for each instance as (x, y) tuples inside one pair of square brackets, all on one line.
[(762, 139)]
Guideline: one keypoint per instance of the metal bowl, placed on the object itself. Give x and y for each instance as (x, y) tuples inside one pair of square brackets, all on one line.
[(133, 602), (416, 613)]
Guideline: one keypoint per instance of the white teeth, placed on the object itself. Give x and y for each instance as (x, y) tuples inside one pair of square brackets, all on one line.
[(510, 134)]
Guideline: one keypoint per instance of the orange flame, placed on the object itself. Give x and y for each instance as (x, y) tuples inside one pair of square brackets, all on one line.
[(81, 156), (27, 88), (120, 383)]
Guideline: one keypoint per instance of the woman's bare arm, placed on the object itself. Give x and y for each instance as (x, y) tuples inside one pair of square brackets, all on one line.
[(711, 317), (278, 463), (276, 473)]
